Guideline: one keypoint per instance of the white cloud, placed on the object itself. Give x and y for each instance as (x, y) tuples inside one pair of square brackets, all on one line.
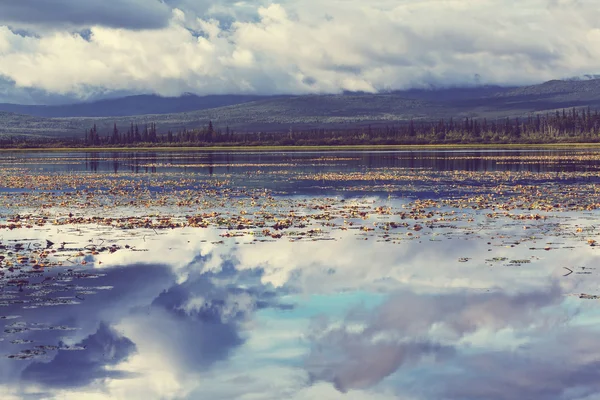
[(314, 46)]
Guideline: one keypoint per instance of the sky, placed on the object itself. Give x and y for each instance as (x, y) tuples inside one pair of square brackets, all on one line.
[(54, 51)]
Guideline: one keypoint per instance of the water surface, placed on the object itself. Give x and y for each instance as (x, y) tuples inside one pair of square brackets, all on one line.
[(359, 275)]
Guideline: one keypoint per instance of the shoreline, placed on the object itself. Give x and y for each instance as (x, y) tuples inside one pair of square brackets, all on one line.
[(485, 146)]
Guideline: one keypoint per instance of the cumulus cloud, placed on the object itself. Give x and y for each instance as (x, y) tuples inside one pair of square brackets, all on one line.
[(201, 318), (130, 14), (103, 349), (409, 327), (202, 306), (306, 46)]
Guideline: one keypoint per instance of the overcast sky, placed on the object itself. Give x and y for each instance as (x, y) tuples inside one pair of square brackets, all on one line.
[(52, 50)]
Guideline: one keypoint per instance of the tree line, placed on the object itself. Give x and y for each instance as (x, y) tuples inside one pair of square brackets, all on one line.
[(572, 125)]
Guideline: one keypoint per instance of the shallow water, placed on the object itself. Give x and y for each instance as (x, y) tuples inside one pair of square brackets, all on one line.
[(360, 275)]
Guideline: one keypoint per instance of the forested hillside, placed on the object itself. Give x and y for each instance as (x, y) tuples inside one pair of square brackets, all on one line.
[(573, 125), (553, 111)]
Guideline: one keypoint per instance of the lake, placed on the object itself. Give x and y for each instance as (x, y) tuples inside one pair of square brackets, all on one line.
[(300, 275)]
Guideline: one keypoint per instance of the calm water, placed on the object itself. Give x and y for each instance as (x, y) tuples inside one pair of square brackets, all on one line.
[(210, 162), (354, 275)]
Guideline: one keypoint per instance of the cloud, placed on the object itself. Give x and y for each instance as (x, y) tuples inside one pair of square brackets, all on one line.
[(201, 303), (103, 349), (564, 367), (363, 366), (132, 286), (306, 46), (409, 327), (128, 14), (422, 264), (205, 315)]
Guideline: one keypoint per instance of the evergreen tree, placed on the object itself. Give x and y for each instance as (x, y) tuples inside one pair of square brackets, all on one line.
[(115, 135)]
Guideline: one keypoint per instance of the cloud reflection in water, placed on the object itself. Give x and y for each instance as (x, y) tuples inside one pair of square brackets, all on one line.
[(257, 319)]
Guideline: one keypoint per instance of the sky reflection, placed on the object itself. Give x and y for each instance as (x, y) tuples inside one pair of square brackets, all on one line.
[(440, 315)]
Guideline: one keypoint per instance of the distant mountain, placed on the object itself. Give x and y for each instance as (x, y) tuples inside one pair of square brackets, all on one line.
[(280, 113), (572, 87), (131, 105), (455, 93)]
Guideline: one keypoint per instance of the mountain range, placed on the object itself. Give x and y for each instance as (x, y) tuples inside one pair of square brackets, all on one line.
[(280, 113)]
